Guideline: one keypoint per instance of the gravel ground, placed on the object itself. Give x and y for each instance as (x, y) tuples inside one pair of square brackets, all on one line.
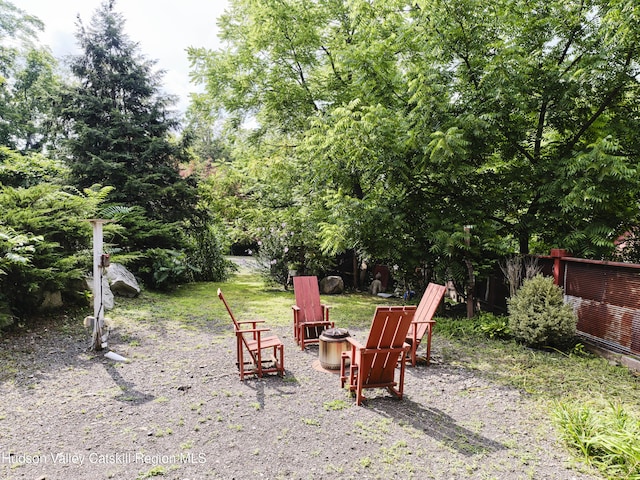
[(178, 410)]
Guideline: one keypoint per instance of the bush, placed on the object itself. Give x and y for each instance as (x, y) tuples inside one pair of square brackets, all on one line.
[(493, 326), (206, 254), (165, 269), (538, 316)]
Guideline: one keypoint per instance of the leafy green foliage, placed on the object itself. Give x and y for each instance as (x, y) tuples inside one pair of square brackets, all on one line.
[(493, 326), (206, 255), (393, 124), (164, 269), (26, 171), (28, 83), (45, 237), (274, 258), (538, 315)]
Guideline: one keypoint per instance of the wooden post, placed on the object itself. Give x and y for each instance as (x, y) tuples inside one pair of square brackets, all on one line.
[(557, 254), (97, 342)]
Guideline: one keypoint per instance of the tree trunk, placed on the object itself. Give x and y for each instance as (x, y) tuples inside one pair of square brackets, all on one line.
[(471, 284)]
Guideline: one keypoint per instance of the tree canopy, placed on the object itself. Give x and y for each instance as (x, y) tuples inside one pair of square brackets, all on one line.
[(397, 123)]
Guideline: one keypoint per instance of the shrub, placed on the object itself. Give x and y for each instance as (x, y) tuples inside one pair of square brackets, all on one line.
[(538, 316), (206, 254), (493, 326), (164, 269)]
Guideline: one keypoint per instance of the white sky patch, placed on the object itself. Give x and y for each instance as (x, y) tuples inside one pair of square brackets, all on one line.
[(164, 29)]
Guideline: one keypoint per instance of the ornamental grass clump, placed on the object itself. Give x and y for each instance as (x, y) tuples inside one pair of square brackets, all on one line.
[(607, 439), (538, 316)]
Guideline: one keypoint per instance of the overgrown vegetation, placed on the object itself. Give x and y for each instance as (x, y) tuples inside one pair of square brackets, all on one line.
[(99, 145), (608, 439), (592, 401)]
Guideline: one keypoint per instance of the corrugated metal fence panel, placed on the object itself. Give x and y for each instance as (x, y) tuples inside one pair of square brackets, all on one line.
[(606, 299)]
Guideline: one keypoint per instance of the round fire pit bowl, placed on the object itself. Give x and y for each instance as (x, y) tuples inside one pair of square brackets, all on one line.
[(332, 342)]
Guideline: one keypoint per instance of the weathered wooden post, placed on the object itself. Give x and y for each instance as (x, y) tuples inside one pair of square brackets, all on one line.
[(100, 262), (558, 274)]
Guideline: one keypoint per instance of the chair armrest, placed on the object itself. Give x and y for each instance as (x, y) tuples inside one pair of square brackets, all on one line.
[(325, 311), (245, 322), (354, 342), (295, 307), (253, 330)]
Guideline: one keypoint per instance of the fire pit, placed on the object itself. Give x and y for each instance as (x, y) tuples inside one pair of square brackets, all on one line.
[(332, 342)]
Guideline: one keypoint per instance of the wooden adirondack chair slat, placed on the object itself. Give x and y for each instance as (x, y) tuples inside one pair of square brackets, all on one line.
[(310, 315), (374, 364), (423, 321)]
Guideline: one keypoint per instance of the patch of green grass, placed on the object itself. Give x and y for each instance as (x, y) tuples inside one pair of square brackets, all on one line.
[(335, 405), (153, 472), (311, 421), (375, 430), (549, 375), (607, 439), (197, 305), (163, 432)]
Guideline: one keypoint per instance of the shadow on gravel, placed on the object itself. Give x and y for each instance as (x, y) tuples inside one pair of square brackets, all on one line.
[(129, 393), (437, 425), (258, 385)]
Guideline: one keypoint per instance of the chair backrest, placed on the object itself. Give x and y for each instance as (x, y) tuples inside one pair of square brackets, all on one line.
[(382, 350), (307, 298), (389, 327), (221, 297), (428, 305)]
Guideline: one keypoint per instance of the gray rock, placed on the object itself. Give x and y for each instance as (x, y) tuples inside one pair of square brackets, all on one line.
[(122, 281), (108, 301), (331, 285)]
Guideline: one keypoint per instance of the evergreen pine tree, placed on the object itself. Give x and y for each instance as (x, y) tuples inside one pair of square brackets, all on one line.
[(119, 122)]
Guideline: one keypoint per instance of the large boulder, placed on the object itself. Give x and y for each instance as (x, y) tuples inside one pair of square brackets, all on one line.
[(331, 285), (108, 302), (51, 300), (122, 281)]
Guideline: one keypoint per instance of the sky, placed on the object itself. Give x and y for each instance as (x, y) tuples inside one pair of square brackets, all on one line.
[(162, 28)]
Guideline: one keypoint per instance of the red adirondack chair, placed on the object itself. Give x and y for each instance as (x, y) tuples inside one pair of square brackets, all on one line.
[(264, 354), (374, 364), (310, 317), (423, 321)]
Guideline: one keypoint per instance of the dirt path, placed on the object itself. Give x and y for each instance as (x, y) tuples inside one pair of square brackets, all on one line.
[(178, 410)]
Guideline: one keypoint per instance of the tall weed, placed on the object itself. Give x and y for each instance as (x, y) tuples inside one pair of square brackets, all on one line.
[(607, 439)]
